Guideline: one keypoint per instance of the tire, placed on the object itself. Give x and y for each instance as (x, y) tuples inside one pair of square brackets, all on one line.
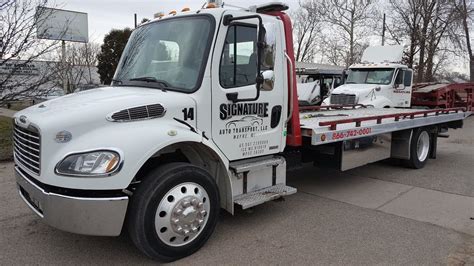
[(420, 149), (166, 220)]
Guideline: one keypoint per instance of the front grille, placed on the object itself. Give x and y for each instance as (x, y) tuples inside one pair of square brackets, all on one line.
[(343, 99), (27, 148), (138, 113)]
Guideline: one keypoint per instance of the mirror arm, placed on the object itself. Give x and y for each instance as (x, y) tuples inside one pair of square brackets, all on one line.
[(291, 92)]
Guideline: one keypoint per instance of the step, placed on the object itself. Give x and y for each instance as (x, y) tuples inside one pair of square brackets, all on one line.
[(263, 195), (256, 164)]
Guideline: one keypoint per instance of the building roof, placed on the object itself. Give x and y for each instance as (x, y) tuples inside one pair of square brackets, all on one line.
[(305, 68)]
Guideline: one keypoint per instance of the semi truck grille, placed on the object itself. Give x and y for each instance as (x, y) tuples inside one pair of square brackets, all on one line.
[(27, 148), (138, 113), (343, 99)]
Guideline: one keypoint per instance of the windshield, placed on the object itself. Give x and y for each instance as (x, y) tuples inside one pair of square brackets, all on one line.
[(370, 76), (168, 54)]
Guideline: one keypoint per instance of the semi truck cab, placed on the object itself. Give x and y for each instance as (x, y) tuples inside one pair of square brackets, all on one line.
[(379, 81)]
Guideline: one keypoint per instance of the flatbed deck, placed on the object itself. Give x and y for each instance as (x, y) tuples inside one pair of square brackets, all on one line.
[(327, 126)]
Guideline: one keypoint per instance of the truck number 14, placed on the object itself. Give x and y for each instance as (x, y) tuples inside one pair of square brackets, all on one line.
[(188, 114)]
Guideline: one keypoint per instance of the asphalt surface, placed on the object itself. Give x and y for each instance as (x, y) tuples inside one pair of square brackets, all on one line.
[(377, 214)]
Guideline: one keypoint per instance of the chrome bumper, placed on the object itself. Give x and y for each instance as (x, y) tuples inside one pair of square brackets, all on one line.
[(80, 215)]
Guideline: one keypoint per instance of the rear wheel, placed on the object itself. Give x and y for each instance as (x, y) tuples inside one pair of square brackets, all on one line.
[(174, 211), (420, 149)]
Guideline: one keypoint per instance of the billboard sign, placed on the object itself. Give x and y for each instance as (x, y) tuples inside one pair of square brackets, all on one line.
[(58, 24)]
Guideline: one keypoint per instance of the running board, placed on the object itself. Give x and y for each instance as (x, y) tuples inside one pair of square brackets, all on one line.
[(256, 164), (258, 197)]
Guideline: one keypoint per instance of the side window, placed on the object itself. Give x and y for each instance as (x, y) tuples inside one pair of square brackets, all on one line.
[(399, 79), (239, 59), (408, 77)]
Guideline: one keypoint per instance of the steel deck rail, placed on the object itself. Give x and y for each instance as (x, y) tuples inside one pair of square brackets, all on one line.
[(412, 115)]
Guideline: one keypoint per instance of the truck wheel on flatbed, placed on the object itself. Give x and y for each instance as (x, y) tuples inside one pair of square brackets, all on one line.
[(174, 211), (420, 148)]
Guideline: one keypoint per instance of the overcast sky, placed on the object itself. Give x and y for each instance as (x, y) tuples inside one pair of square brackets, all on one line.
[(105, 15)]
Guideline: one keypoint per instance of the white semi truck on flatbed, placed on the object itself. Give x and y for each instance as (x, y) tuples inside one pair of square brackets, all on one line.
[(380, 80), (202, 114)]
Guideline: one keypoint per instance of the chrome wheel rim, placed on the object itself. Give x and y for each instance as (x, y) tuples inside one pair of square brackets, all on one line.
[(182, 214), (423, 146)]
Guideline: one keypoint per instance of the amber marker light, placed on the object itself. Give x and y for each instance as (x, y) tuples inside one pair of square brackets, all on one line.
[(112, 164)]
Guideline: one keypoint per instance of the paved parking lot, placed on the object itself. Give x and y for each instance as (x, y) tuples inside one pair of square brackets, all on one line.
[(376, 214)]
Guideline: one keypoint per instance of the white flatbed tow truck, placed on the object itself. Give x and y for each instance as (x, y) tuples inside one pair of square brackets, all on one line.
[(202, 114)]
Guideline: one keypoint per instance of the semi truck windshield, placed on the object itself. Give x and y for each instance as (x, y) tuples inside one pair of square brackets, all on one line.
[(370, 76), (168, 54)]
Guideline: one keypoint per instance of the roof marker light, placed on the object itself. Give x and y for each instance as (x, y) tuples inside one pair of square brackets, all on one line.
[(186, 9), (173, 12), (159, 14), (214, 3)]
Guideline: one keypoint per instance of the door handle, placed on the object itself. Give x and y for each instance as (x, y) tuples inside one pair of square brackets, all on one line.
[(276, 116)]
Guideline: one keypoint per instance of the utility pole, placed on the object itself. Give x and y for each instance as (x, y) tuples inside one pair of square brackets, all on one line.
[(63, 63), (383, 30), (88, 62), (135, 20)]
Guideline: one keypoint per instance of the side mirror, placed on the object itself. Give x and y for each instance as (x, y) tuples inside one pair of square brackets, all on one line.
[(266, 56), (260, 54), (398, 79), (268, 80)]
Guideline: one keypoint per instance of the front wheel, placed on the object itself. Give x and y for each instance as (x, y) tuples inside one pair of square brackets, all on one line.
[(420, 149), (174, 211)]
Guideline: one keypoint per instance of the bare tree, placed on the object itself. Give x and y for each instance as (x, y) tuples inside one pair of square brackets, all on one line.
[(425, 26), (436, 17), (19, 47), (306, 29), (333, 51), (405, 18), (349, 21), (442, 18), (80, 62), (465, 11)]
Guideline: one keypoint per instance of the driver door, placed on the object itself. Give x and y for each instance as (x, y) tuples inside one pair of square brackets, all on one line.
[(250, 128), (402, 88)]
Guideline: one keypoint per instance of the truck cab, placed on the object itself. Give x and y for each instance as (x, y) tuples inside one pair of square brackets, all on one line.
[(196, 97), (317, 81), (379, 81)]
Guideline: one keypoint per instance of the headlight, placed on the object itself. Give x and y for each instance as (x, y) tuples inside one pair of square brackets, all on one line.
[(95, 163)]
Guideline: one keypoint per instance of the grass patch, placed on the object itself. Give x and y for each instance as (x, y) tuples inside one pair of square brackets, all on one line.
[(6, 149), (17, 105)]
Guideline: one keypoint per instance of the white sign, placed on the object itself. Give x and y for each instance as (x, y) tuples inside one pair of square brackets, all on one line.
[(58, 24), (17, 68)]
